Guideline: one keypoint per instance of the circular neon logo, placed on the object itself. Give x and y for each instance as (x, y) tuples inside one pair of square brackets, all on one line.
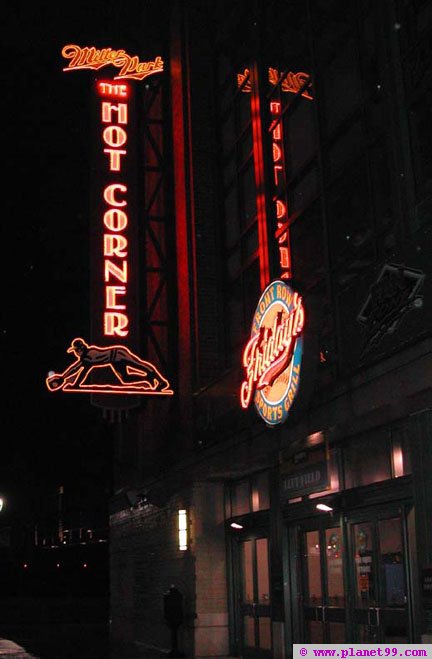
[(272, 357)]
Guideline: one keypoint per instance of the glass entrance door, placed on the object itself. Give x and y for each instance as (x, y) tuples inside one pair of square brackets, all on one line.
[(349, 579), (255, 604), (322, 595), (377, 566)]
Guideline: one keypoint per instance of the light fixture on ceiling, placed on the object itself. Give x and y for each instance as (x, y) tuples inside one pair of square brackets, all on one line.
[(234, 525), (324, 507)]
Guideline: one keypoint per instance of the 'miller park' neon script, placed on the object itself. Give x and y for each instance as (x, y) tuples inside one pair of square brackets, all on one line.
[(90, 57), (114, 117)]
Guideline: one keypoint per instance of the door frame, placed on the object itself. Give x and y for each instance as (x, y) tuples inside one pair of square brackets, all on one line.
[(236, 581), (353, 505), (374, 514), (293, 552)]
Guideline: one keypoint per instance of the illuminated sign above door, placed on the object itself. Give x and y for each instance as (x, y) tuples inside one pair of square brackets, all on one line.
[(272, 357), (89, 57)]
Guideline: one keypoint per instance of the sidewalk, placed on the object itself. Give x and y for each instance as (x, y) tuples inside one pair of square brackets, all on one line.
[(140, 651), (11, 650)]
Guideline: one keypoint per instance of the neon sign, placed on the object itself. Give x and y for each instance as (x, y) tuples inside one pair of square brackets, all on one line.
[(114, 368), (291, 82), (280, 201), (92, 58), (114, 118), (272, 357), (118, 371)]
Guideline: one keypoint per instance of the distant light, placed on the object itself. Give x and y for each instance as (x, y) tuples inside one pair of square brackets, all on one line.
[(51, 373), (84, 564), (1, 504), (323, 506), (58, 565), (234, 525), (25, 566)]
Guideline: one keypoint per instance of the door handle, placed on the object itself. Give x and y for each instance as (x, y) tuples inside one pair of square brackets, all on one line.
[(374, 621), (378, 619), (323, 614)]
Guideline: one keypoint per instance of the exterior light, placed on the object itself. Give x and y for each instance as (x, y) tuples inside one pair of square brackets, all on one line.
[(1, 504), (324, 507), (234, 525), (182, 530)]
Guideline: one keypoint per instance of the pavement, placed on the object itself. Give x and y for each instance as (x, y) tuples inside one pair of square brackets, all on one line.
[(11, 650)]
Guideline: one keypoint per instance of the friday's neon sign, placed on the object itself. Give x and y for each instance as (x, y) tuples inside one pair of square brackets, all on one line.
[(89, 57), (114, 119), (272, 357)]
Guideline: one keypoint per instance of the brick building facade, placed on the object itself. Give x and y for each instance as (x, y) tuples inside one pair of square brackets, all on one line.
[(264, 567)]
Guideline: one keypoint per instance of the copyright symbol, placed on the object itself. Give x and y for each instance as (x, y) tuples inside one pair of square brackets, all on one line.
[(303, 652)]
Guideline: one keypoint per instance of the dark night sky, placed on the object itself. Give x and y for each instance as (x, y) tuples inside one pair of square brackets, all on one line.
[(49, 439)]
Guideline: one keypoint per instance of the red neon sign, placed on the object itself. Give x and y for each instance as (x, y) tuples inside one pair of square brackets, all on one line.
[(89, 57), (269, 352), (272, 356), (114, 368), (119, 371), (281, 206), (291, 83), (114, 119)]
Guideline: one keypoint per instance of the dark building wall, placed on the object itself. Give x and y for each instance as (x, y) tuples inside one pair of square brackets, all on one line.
[(145, 562), (359, 192)]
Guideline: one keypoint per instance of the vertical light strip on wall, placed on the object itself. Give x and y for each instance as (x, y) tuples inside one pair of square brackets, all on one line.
[(182, 530)]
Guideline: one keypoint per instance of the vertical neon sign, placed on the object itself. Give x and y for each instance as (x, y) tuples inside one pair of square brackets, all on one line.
[(293, 83), (273, 355), (114, 118), (107, 366), (280, 197)]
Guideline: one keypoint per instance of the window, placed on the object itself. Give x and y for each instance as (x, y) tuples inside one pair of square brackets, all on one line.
[(367, 459), (307, 246), (240, 228), (248, 495)]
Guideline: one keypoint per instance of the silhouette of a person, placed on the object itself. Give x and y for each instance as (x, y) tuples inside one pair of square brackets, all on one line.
[(128, 367)]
